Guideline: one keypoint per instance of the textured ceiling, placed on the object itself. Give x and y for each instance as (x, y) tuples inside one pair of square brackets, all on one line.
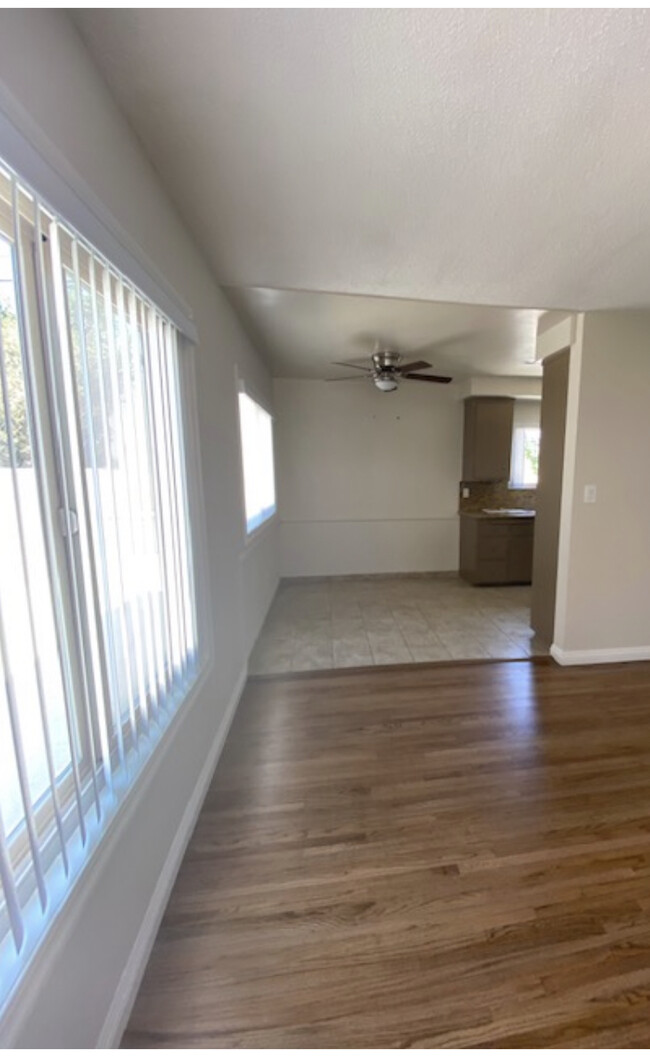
[(304, 332), (485, 156)]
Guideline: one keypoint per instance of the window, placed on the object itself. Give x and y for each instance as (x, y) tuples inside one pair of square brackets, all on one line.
[(525, 443), (256, 426), (98, 623), (525, 456)]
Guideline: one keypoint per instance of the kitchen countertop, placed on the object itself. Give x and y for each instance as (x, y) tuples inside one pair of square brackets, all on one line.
[(481, 515)]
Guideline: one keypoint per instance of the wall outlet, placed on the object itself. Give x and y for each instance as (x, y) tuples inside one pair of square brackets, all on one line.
[(589, 494), (465, 492)]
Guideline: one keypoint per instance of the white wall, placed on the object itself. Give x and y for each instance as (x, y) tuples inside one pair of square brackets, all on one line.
[(555, 332), (367, 481), (603, 607), (498, 385), (45, 69)]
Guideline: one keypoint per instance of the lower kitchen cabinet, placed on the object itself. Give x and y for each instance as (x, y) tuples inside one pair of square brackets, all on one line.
[(496, 550)]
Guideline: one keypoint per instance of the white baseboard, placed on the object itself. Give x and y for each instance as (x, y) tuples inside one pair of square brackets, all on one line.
[(626, 654), (127, 988)]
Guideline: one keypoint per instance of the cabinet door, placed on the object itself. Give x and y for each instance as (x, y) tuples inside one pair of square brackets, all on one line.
[(469, 439), (487, 439), (468, 546), (491, 571), (491, 552), (520, 558)]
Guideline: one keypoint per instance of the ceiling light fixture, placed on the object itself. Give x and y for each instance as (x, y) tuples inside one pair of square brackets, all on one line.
[(385, 382)]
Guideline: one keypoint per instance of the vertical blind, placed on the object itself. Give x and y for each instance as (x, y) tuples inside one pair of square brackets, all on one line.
[(98, 624)]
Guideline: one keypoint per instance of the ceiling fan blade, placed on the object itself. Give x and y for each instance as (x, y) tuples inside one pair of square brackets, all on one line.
[(351, 366), (420, 364), (428, 377), (348, 377)]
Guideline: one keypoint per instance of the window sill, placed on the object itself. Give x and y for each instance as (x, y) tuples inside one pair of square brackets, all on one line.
[(69, 891), (513, 486), (251, 539)]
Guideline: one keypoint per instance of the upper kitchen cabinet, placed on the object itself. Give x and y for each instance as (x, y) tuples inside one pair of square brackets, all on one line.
[(487, 439)]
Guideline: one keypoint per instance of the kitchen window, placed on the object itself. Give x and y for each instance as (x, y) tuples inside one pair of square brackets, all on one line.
[(525, 457), (524, 460)]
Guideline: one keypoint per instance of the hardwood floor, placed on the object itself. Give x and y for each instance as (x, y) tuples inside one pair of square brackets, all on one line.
[(453, 855)]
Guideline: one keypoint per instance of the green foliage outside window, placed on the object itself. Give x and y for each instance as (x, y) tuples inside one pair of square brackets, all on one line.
[(15, 394)]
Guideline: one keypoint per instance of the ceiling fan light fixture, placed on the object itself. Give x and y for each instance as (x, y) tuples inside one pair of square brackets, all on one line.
[(386, 383), (388, 369)]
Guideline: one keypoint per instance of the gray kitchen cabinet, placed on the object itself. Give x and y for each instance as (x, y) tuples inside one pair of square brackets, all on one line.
[(496, 549), (487, 437)]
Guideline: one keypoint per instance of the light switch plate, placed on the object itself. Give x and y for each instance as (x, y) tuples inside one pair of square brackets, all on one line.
[(589, 494)]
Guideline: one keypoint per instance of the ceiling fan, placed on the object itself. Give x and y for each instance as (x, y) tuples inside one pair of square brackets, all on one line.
[(388, 370)]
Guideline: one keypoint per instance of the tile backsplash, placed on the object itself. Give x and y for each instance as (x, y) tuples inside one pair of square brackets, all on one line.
[(494, 495)]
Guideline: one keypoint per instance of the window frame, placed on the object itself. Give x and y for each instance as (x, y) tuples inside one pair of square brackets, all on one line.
[(39, 347), (253, 535), (41, 407), (517, 456)]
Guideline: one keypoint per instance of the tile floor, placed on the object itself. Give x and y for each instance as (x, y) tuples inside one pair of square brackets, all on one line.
[(355, 621)]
